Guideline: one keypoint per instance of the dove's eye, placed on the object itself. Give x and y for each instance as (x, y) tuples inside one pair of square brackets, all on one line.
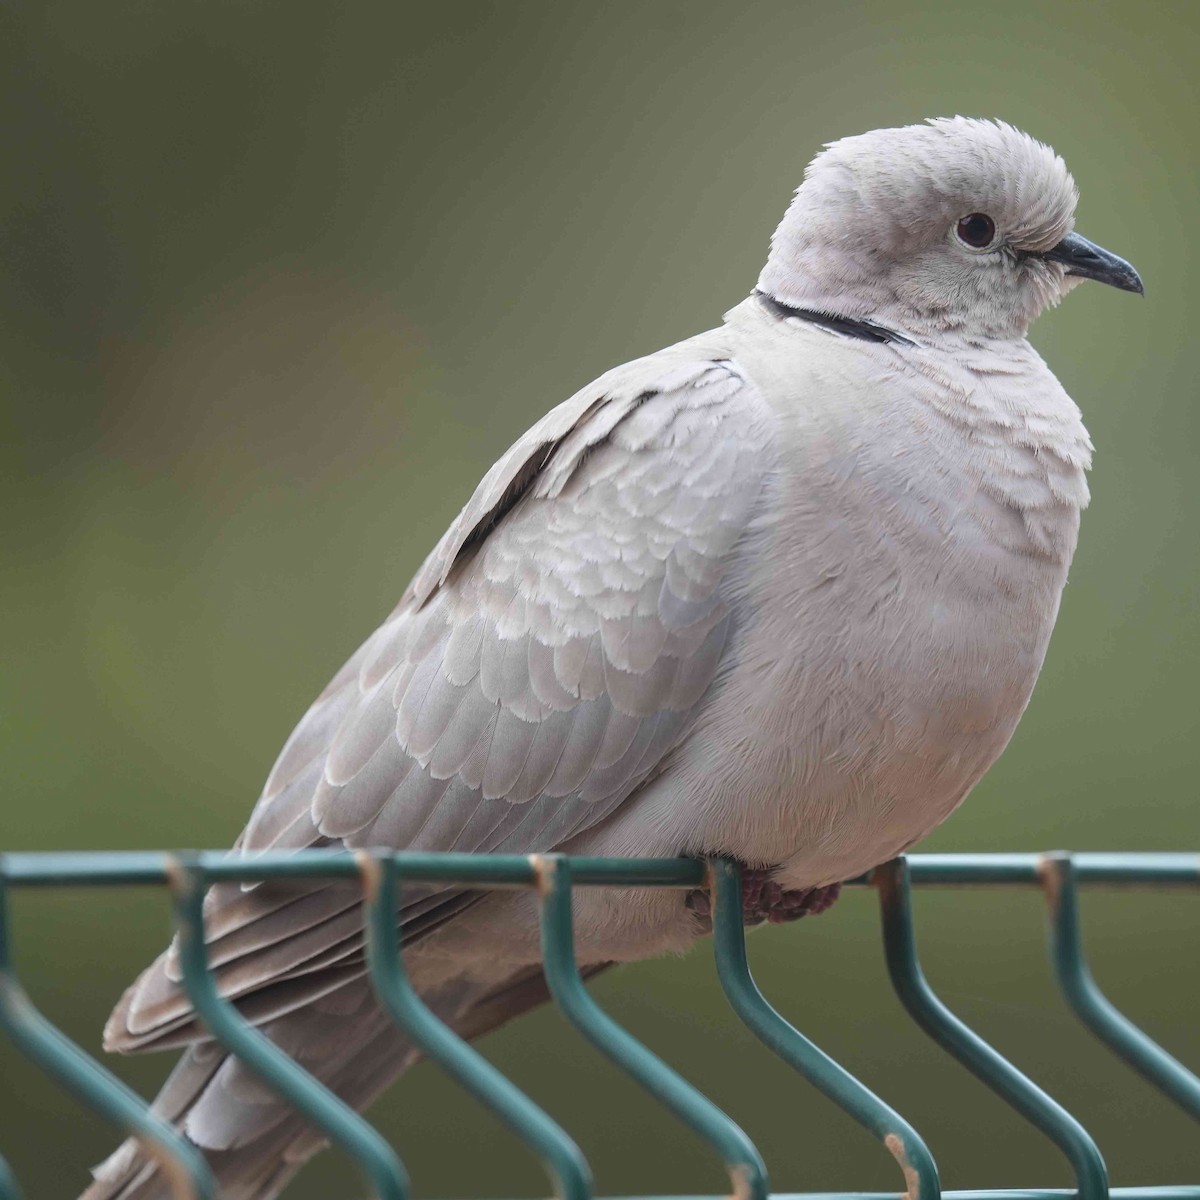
[(977, 230)]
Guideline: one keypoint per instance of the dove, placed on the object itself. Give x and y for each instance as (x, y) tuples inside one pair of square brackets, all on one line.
[(780, 592)]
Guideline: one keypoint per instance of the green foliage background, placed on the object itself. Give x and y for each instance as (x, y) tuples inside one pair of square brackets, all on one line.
[(279, 281)]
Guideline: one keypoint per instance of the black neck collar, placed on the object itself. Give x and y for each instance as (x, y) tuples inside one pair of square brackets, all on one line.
[(865, 331)]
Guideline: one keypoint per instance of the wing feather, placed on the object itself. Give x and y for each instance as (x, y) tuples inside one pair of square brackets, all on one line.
[(359, 739), (470, 725)]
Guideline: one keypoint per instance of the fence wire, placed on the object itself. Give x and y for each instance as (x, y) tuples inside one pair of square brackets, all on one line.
[(187, 876)]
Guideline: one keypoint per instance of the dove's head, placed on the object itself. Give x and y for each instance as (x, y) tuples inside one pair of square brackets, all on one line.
[(956, 224)]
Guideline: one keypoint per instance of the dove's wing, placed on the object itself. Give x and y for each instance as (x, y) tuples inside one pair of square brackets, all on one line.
[(548, 655)]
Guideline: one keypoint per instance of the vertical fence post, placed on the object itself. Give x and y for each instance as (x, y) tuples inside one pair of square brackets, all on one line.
[(8, 1183), (830, 1078), (968, 1047), (746, 1171), (1090, 1004), (295, 1085), (179, 1161), (563, 1160)]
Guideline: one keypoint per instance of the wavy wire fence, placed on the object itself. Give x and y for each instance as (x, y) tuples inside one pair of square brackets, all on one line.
[(188, 875)]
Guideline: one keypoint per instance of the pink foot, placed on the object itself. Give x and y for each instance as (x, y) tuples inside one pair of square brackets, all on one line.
[(764, 900)]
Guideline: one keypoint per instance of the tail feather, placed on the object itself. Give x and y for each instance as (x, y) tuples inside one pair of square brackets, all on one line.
[(259, 1168), (253, 1141)]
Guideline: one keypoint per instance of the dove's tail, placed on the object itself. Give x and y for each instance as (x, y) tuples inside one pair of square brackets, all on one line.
[(252, 1140)]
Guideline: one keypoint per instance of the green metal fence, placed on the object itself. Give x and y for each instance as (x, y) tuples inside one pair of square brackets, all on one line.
[(555, 877)]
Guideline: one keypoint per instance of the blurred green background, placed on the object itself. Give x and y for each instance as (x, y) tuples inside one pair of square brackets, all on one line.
[(279, 281)]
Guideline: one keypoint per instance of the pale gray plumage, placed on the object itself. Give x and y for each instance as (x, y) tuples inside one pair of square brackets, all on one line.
[(780, 591)]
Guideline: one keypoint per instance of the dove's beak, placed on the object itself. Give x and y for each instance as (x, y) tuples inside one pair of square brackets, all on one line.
[(1089, 261)]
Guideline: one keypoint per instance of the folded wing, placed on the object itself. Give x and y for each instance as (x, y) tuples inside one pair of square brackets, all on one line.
[(547, 657)]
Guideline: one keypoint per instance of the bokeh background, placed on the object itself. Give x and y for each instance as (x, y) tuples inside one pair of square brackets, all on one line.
[(279, 281)]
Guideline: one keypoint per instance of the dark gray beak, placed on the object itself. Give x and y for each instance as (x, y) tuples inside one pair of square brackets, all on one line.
[(1089, 261)]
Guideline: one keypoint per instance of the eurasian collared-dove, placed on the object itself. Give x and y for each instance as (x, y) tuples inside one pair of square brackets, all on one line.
[(779, 592)]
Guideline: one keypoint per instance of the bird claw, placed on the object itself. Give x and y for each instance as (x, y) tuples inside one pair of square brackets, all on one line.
[(763, 899)]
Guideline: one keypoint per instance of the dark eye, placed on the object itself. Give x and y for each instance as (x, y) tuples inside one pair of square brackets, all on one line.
[(977, 230)]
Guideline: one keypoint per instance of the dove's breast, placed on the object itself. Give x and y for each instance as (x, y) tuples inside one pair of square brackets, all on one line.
[(894, 607)]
